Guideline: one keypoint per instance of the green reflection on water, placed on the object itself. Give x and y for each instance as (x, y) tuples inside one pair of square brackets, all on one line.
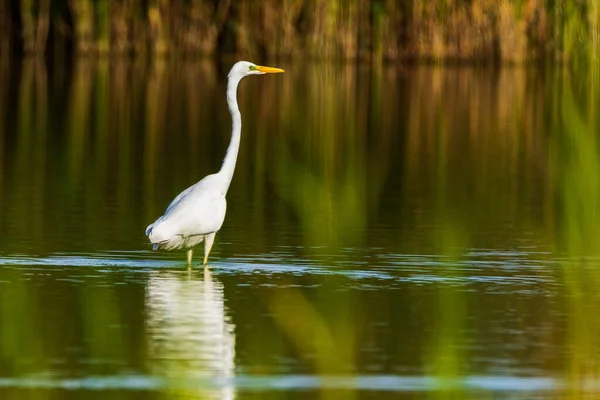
[(344, 168), (578, 181)]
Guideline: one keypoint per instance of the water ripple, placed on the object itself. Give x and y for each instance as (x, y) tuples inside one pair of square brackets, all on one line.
[(395, 383)]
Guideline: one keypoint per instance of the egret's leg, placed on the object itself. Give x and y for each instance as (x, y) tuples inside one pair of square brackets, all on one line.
[(190, 253), (208, 242)]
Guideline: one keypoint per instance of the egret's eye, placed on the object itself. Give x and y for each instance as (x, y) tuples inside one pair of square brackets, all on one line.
[(252, 68)]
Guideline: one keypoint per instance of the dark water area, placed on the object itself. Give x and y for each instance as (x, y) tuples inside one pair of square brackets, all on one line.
[(392, 232)]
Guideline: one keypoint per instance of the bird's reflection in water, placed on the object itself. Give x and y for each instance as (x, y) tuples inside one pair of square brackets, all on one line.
[(192, 337)]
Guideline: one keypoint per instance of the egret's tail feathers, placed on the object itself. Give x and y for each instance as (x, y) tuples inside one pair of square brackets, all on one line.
[(148, 233), (149, 229), (160, 231), (161, 235), (164, 235)]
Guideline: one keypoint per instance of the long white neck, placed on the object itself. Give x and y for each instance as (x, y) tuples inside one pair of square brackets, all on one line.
[(236, 130)]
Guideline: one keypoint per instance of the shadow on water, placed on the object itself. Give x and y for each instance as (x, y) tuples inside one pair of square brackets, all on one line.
[(391, 232)]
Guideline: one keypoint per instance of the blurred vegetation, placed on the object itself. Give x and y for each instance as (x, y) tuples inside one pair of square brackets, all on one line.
[(577, 180), (490, 30)]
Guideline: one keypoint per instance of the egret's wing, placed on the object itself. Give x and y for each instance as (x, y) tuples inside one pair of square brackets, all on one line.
[(197, 213), (198, 210), (166, 231), (181, 195)]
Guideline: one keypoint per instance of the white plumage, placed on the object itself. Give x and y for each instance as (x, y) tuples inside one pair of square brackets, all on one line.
[(198, 212)]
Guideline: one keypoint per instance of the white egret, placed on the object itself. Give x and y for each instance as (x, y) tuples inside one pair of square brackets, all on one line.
[(198, 212)]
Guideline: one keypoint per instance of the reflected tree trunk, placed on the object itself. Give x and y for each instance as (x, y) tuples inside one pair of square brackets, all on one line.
[(35, 26), (27, 26), (4, 102), (139, 34), (83, 23), (80, 99), (156, 92), (120, 18), (158, 26), (4, 29), (103, 25), (43, 25), (30, 152)]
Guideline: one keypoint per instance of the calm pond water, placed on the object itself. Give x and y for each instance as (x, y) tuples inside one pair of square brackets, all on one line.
[(394, 232)]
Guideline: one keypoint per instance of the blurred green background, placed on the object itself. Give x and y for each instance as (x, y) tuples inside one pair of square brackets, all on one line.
[(395, 229)]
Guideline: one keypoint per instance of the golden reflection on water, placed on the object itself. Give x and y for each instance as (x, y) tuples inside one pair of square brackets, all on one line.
[(325, 141), (322, 166)]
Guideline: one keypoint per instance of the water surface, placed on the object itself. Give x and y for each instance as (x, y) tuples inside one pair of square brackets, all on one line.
[(395, 232)]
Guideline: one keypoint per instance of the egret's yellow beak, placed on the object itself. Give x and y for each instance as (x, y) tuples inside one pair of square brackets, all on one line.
[(268, 70)]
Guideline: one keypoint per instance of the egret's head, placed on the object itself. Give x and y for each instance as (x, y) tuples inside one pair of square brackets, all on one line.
[(245, 68)]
